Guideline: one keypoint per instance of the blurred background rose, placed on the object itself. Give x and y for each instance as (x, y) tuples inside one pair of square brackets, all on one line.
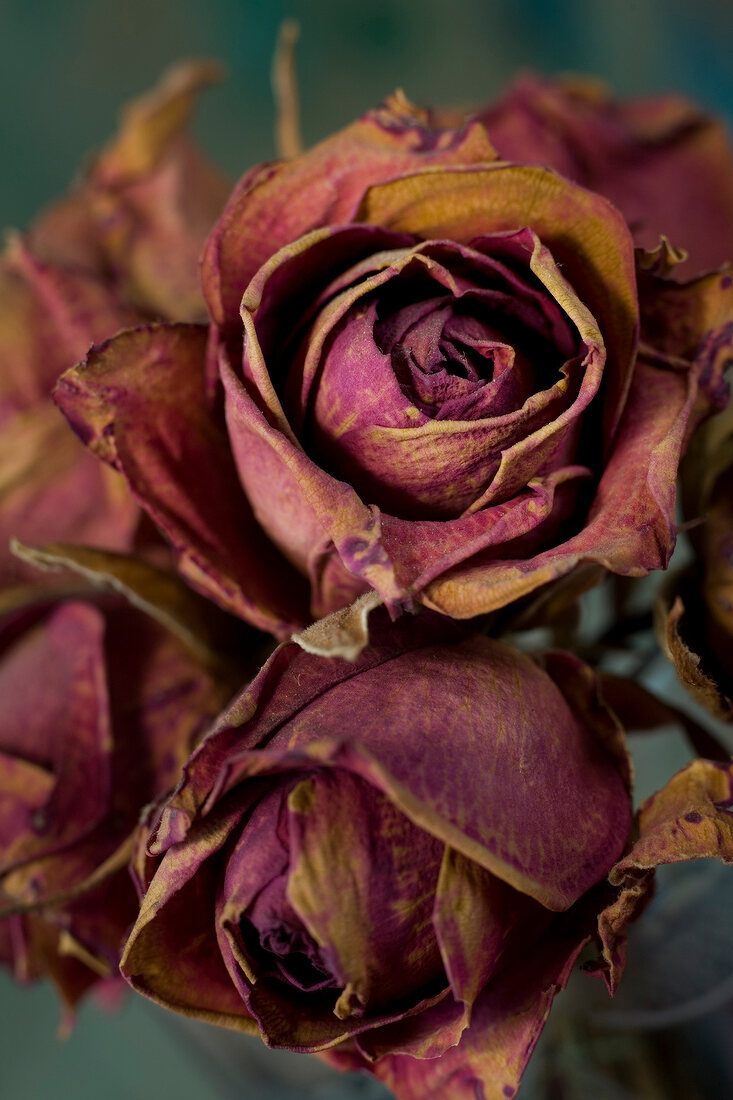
[(67, 68)]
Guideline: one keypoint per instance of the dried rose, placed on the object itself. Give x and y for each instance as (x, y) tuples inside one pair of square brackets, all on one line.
[(373, 858), (121, 248), (444, 400), (101, 706), (662, 161)]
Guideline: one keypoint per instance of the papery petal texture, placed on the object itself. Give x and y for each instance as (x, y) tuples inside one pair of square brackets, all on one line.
[(138, 402), (447, 378), (410, 903), (628, 151)]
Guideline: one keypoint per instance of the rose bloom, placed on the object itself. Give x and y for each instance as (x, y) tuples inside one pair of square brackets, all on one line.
[(371, 859), (121, 248), (454, 382), (101, 707)]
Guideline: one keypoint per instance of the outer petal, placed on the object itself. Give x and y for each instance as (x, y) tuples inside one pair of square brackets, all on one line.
[(690, 818), (206, 632), (630, 528), (476, 790), (34, 952), (508, 1018), (699, 632), (628, 151), (678, 319), (51, 488), (307, 513), (138, 402), (123, 703), (682, 631), (49, 315), (172, 926), (278, 203)]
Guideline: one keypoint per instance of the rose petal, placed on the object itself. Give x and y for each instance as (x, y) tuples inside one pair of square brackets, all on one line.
[(508, 1019), (158, 592), (508, 838), (138, 402), (276, 204), (630, 527), (691, 669), (304, 510), (49, 316), (584, 233), (471, 922), (678, 317), (360, 878), (628, 151), (69, 496), (169, 925)]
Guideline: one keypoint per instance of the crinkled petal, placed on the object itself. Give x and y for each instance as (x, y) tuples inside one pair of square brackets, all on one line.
[(508, 1018), (628, 151), (176, 923), (587, 237), (630, 528), (49, 316), (362, 878), (691, 817), (486, 799), (278, 203), (138, 403), (63, 729), (52, 488)]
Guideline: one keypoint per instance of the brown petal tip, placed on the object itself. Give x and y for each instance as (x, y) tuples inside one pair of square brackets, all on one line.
[(342, 634)]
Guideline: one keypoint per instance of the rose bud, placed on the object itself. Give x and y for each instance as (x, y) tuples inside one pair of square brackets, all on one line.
[(662, 161), (372, 858), (445, 401), (122, 247), (101, 706)]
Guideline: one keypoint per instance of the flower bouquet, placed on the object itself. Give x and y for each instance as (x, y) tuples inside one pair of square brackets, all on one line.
[(322, 632)]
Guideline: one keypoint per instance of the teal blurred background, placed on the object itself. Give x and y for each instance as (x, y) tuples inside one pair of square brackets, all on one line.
[(66, 69)]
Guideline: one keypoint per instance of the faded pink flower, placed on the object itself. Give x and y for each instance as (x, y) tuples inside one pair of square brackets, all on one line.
[(453, 383)]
